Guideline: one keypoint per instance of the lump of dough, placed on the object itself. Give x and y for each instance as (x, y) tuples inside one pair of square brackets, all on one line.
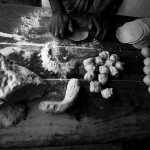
[(146, 80), (88, 61), (103, 70), (89, 76), (114, 71), (104, 55), (147, 61), (99, 61), (102, 78), (12, 115), (145, 52), (95, 87), (146, 70), (107, 93), (149, 89), (109, 62), (119, 65), (114, 57), (72, 92)]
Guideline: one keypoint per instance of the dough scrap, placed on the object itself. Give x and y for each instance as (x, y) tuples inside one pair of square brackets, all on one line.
[(18, 83), (12, 115), (72, 92)]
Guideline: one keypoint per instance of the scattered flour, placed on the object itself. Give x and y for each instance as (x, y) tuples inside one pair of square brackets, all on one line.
[(23, 43), (9, 50), (13, 36), (31, 20), (27, 53), (47, 62)]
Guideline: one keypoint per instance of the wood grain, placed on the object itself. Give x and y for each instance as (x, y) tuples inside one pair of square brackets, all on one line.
[(91, 120)]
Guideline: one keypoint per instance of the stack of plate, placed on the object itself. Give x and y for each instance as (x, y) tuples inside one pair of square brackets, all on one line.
[(136, 33)]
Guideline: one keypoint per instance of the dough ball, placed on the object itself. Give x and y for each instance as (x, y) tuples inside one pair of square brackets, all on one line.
[(88, 61), (90, 68), (114, 57), (99, 61), (146, 80), (119, 65), (104, 55), (89, 76), (114, 71), (95, 87), (12, 115), (109, 62), (147, 61), (146, 70), (145, 51), (107, 93), (103, 70), (102, 78), (149, 89)]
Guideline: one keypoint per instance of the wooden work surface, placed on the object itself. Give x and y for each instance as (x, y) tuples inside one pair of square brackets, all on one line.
[(93, 119)]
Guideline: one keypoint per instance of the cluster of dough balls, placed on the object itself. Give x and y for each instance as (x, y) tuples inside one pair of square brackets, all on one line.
[(146, 53), (105, 65)]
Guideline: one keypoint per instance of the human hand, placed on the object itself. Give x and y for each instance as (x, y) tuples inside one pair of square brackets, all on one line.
[(59, 23), (99, 24)]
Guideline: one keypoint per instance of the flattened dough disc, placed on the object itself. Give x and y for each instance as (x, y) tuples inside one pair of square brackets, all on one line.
[(78, 35), (129, 32)]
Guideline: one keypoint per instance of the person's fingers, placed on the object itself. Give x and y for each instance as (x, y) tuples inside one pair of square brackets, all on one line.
[(56, 30), (62, 31), (103, 35), (52, 30), (81, 4), (105, 28), (90, 24), (51, 26), (61, 27), (70, 26), (98, 27), (75, 6)]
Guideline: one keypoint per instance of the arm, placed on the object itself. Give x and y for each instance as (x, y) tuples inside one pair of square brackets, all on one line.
[(60, 20), (57, 5), (101, 15), (105, 6)]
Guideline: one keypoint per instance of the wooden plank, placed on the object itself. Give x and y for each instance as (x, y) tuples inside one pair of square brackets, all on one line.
[(116, 146), (91, 120)]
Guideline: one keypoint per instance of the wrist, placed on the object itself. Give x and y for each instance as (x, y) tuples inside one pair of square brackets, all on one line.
[(57, 5), (100, 13), (58, 10)]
